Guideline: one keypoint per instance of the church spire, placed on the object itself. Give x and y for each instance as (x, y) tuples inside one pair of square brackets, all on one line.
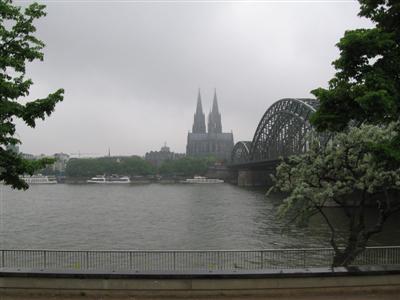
[(199, 124), (199, 108), (214, 118), (215, 103)]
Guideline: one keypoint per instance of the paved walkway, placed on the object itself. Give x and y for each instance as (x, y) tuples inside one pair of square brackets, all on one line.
[(361, 296)]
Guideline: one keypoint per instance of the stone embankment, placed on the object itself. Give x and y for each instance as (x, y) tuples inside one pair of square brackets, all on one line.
[(347, 283)]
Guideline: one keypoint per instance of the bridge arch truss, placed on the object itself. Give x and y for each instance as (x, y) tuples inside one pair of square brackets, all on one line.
[(241, 152), (283, 130)]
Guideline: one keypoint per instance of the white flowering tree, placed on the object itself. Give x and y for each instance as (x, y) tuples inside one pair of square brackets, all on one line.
[(350, 173)]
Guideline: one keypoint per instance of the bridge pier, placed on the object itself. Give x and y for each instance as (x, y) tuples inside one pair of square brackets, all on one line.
[(253, 178)]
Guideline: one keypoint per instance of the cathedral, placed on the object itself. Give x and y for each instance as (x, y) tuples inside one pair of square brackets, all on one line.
[(212, 142)]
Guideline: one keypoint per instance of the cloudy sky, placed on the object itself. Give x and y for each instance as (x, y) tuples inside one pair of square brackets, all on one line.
[(131, 69)]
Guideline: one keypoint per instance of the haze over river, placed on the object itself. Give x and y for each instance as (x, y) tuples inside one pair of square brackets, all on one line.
[(155, 216)]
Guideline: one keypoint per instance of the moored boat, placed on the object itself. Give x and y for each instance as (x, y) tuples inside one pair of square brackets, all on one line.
[(113, 179), (201, 179), (39, 179)]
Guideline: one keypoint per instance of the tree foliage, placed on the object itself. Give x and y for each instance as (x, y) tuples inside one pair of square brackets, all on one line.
[(18, 46), (366, 86), (89, 167), (348, 173), (134, 165), (361, 164), (187, 166)]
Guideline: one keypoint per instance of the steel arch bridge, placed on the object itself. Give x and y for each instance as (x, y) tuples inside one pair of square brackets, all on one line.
[(284, 130)]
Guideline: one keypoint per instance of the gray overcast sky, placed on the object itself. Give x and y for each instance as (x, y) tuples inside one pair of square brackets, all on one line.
[(131, 70)]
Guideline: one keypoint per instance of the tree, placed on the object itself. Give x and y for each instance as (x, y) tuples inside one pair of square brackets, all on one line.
[(186, 166), (362, 163), (89, 167), (18, 45), (348, 173), (366, 86)]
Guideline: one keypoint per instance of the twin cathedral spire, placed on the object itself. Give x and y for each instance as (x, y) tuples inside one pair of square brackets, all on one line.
[(213, 142), (214, 117)]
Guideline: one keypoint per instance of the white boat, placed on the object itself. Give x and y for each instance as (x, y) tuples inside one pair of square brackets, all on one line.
[(201, 179), (113, 179), (39, 179)]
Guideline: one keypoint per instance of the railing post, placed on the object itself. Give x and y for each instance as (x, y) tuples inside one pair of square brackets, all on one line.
[(44, 259), (2, 258), (304, 258), (262, 259), (130, 260), (174, 258), (87, 259)]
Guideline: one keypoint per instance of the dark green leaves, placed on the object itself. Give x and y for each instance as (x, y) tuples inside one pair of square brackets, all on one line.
[(366, 86), (18, 45), (41, 107), (89, 167)]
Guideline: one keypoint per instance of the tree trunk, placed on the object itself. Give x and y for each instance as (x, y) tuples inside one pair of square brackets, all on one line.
[(346, 257)]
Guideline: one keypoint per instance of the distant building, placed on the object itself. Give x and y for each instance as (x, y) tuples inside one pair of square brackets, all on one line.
[(156, 158), (13, 148), (61, 162), (59, 165), (214, 142), (28, 156)]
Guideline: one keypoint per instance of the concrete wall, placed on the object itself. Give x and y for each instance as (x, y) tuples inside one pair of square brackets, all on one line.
[(254, 178), (276, 283), (221, 173)]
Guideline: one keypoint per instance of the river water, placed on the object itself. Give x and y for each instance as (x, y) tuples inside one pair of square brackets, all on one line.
[(156, 216)]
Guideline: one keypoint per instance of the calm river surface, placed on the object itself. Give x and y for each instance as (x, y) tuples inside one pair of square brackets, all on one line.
[(155, 216)]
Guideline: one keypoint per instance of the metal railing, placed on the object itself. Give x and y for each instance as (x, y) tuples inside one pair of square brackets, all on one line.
[(187, 260)]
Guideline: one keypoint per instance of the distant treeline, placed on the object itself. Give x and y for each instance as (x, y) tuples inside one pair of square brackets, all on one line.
[(136, 166), (187, 166)]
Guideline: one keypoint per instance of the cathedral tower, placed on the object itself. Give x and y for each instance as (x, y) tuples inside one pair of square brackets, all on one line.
[(214, 118), (214, 142), (199, 124)]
